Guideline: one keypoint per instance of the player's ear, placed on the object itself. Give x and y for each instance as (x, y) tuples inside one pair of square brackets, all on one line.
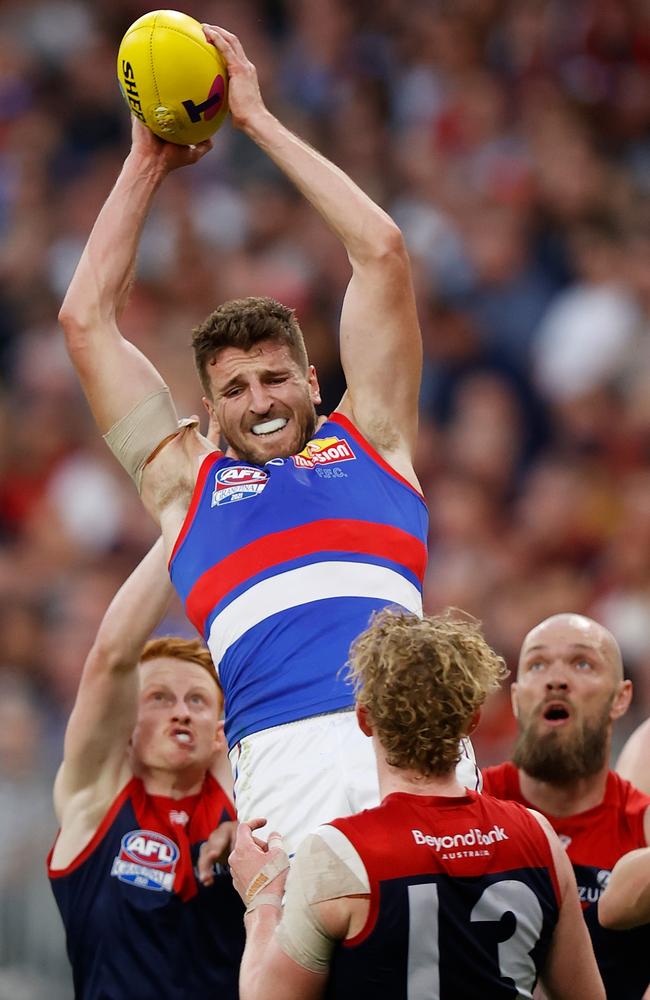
[(314, 387), (473, 722), (513, 699), (363, 719), (622, 700), (220, 736)]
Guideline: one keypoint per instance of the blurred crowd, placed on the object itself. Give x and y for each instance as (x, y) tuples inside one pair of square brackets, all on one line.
[(511, 142)]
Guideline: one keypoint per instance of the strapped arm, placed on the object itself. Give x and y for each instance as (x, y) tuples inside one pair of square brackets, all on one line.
[(115, 375)]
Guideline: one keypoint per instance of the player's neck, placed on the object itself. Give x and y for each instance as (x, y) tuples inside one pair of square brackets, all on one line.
[(171, 784), (393, 779), (567, 799)]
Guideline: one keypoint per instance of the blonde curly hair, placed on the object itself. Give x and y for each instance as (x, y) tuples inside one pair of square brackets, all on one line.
[(421, 680)]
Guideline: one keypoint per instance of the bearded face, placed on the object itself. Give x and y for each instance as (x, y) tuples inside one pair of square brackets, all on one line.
[(563, 755)]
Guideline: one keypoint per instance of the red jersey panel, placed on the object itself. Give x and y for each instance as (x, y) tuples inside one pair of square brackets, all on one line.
[(464, 900)]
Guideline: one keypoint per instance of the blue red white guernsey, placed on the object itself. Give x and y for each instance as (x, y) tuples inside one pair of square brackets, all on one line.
[(594, 841), (464, 901), (138, 924), (281, 566)]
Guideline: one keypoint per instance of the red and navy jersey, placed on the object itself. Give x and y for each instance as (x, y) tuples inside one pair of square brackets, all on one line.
[(595, 840), (464, 900), (281, 566), (139, 926)]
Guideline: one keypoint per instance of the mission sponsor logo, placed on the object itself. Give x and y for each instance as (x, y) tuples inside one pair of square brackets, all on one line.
[(323, 451), (471, 844), (238, 482), (147, 860)]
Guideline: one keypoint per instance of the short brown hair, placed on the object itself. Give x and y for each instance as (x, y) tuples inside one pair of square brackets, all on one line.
[(188, 650), (421, 681), (243, 323)]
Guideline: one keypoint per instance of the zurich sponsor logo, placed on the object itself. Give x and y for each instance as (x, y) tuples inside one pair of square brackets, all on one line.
[(238, 482), (588, 894), (147, 860)]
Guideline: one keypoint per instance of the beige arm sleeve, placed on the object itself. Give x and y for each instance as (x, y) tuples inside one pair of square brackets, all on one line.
[(137, 436), (326, 866)]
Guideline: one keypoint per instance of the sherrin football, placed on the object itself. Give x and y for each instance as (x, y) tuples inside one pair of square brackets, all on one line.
[(172, 79)]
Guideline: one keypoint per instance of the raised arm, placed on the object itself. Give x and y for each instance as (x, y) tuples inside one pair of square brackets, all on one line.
[(381, 349), (114, 374), (633, 763), (126, 394), (102, 720)]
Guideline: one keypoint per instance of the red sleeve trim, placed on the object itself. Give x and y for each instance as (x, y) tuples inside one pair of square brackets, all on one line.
[(201, 479), (339, 418), (96, 839)]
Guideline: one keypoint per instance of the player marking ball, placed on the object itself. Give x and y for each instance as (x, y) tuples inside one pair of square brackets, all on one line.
[(172, 79)]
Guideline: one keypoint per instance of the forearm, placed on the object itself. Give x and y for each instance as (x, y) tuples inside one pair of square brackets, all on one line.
[(626, 900), (254, 981), (104, 273), (134, 612), (363, 227)]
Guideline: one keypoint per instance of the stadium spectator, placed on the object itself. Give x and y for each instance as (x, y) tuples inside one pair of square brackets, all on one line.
[(569, 692), (404, 899), (137, 793)]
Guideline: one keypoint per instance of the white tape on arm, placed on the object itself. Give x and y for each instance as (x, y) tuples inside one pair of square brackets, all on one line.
[(273, 867), (326, 866), (138, 435)]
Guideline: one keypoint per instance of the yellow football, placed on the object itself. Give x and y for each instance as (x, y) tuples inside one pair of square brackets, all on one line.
[(172, 79)]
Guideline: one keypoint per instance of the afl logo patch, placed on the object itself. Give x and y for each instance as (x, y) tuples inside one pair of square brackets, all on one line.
[(147, 860), (238, 482)]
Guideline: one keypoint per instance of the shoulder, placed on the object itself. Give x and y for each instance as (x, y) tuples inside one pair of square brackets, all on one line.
[(176, 465), (381, 444), (327, 866), (502, 781), (623, 794)]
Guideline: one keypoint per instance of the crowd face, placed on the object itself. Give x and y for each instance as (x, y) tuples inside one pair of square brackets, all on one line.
[(178, 726), (569, 690), (263, 402)]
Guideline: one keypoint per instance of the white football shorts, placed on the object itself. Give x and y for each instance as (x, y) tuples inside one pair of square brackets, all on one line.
[(302, 774)]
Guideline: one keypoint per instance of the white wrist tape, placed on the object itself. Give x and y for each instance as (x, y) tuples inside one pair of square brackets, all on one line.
[(273, 867), (264, 897)]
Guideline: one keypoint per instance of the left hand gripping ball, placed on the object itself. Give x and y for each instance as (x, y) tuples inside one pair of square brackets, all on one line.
[(172, 79)]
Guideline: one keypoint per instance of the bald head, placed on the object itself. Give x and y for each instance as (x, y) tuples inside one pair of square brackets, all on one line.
[(580, 632)]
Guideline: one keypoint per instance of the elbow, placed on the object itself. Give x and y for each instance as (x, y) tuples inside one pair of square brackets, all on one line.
[(110, 654), (385, 247), (614, 917), (76, 328)]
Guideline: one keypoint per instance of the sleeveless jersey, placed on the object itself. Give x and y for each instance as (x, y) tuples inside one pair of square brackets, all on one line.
[(281, 566), (139, 926), (594, 841), (464, 899)]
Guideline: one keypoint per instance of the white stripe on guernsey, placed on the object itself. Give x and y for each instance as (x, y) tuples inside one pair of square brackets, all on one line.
[(315, 582)]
